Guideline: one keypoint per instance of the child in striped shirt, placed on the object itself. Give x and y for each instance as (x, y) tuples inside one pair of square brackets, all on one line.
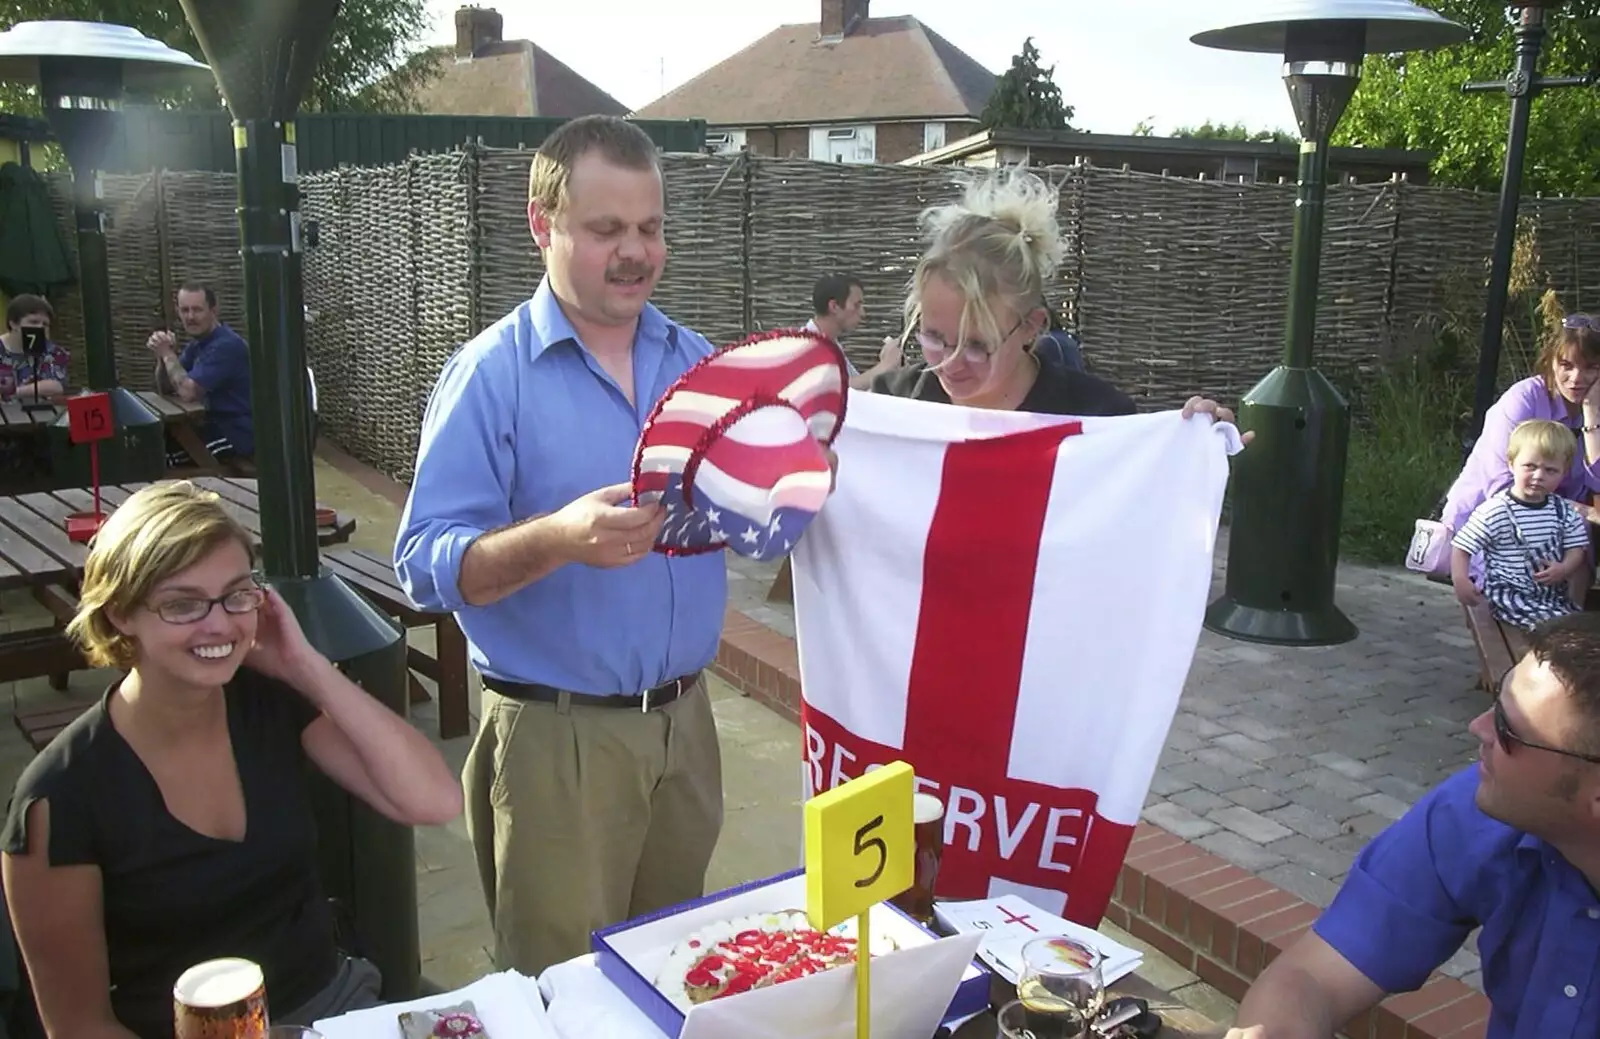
[(1533, 540)]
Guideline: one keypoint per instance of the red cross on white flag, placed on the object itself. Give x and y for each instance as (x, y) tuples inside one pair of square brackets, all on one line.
[(1010, 604)]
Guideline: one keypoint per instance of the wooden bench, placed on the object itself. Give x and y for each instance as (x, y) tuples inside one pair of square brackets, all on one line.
[(44, 651), (373, 576), (41, 726), (1500, 645)]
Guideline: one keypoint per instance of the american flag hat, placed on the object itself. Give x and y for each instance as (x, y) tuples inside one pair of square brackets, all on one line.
[(735, 449)]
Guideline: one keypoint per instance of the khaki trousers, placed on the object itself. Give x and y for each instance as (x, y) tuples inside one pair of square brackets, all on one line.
[(585, 816)]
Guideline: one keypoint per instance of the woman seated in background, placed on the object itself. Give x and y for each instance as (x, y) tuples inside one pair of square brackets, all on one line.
[(977, 306), (1565, 388), (25, 374), (170, 823)]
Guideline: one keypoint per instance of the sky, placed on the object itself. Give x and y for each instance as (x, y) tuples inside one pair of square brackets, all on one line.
[(1117, 61)]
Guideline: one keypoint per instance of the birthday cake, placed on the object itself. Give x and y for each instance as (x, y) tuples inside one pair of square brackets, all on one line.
[(751, 952)]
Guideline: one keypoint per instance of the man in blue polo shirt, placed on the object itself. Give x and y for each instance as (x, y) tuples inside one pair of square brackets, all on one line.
[(1511, 845), (594, 783), (213, 368)]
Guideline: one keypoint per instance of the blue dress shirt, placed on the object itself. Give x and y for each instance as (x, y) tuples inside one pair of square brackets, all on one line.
[(219, 363), (1421, 886), (522, 421)]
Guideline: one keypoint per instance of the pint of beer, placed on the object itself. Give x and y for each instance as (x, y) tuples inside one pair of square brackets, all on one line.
[(220, 999), (927, 815)]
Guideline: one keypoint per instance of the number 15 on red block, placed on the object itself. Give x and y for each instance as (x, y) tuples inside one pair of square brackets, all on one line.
[(860, 850)]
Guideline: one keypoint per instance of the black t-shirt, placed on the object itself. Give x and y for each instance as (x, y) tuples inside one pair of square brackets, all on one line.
[(173, 897), (1057, 391)]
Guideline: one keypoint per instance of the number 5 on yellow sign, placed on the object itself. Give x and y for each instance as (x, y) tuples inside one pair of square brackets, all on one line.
[(860, 850)]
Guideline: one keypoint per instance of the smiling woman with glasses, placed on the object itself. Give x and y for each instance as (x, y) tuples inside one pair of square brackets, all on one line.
[(976, 307), (170, 824)]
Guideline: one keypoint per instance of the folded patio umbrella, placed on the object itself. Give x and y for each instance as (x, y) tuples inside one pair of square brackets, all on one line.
[(33, 256)]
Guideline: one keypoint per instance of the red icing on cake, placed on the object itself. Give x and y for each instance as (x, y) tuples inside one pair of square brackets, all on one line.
[(754, 959)]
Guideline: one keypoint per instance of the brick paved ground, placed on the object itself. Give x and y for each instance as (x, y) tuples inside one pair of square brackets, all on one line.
[(1285, 761)]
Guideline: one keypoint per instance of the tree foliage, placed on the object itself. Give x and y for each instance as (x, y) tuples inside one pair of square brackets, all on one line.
[(1209, 131), (1026, 96), (1415, 101), (365, 67)]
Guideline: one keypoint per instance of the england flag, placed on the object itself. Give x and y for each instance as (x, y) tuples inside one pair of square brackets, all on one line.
[(1010, 603)]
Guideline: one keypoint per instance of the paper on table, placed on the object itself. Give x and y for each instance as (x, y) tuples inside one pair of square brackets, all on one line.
[(508, 1004), (900, 1009), (1008, 923)]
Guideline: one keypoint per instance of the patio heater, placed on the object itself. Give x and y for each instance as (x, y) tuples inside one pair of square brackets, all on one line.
[(1522, 86), (264, 55), (1288, 486), (81, 70)]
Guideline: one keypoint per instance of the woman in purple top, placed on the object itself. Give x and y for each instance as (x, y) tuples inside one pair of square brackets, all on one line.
[(1566, 389)]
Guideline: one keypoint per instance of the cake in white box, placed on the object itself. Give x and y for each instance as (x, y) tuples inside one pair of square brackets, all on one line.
[(745, 945)]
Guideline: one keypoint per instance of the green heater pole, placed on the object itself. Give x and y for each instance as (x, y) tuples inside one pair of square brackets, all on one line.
[(1288, 486), (263, 56), (269, 221)]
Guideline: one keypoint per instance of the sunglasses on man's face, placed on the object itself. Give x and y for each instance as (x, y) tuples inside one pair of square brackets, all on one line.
[(1506, 737)]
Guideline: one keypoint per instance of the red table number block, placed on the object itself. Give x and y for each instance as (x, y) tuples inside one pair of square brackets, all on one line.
[(89, 417)]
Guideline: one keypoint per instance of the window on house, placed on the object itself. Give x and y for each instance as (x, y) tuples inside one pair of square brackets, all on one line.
[(933, 135), (844, 143), (724, 142)]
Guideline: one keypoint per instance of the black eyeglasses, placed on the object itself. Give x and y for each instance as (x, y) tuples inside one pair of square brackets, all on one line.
[(1581, 321), (193, 610), (1503, 733), (937, 351)]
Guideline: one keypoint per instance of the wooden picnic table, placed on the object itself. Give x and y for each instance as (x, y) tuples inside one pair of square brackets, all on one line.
[(36, 552), (20, 415), (184, 421)]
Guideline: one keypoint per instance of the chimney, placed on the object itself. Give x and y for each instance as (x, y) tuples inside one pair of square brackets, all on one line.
[(476, 28), (840, 17)]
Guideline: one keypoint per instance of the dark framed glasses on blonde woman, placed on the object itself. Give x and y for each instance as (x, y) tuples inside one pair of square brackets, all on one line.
[(190, 610), (937, 351)]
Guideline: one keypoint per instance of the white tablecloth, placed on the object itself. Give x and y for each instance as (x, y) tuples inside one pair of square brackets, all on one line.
[(582, 1003)]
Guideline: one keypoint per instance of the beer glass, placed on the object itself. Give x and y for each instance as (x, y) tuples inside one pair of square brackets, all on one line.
[(927, 815), (220, 999), (1062, 976)]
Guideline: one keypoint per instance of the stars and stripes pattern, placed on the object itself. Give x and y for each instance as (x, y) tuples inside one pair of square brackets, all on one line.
[(735, 449)]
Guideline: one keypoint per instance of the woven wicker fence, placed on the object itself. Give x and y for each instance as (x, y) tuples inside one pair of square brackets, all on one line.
[(1175, 286), (162, 230)]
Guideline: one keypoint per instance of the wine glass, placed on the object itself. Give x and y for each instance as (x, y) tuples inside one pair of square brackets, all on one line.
[(1016, 1020), (1062, 977)]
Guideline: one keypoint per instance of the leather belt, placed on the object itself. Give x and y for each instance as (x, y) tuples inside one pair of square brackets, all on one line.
[(649, 700)]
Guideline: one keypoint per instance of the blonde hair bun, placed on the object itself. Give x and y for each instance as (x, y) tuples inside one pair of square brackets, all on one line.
[(1016, 198)]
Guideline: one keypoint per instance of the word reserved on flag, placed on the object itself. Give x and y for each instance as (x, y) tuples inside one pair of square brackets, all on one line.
[(1009, 603)]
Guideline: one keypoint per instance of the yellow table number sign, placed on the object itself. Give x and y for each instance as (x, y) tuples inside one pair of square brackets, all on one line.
[(860, 850)]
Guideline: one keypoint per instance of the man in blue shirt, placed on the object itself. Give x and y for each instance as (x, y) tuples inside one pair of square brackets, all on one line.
[(214, 368), (1511, 845), (593, 786)]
